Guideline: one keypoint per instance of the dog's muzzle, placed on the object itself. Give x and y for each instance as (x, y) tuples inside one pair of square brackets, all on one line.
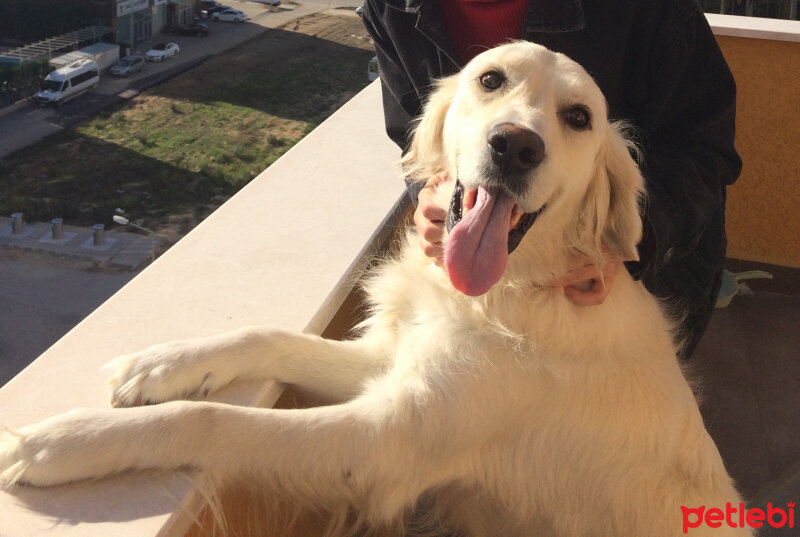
[(515, 151), (480, 240), (455, 210)]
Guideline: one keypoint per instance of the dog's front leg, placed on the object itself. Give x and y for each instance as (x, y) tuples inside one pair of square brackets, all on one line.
[(332, 370), (88, 443), (363, 451)]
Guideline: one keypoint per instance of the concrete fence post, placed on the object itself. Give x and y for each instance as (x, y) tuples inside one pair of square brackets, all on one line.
[(17, 223), (99, 234), (57, 228)]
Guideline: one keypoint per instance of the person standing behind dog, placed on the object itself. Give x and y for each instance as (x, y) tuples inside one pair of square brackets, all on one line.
[(660, 69)]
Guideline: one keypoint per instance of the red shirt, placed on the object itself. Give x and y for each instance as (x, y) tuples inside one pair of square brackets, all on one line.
[(477, 25)]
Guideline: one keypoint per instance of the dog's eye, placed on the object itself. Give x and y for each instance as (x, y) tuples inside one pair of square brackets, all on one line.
[(492, 80), (577, 117)]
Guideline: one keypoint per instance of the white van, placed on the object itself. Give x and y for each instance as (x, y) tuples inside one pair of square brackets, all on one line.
[(68, 82)]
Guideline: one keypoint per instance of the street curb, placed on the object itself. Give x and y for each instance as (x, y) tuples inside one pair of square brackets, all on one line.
[(19, 105), (143, 84), (137, 85), (96, 102)]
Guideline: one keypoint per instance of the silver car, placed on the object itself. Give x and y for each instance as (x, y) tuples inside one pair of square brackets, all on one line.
[(128, 65)]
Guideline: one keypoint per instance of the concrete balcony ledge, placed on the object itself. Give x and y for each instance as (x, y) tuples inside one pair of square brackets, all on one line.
[(284, 252), (754, 27)]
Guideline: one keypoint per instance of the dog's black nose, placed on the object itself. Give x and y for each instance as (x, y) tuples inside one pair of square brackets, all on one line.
[(515, 149)]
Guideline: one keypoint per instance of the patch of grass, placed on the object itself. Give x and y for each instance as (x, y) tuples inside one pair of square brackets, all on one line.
[(306, 91), (275, 141), (177, 151)]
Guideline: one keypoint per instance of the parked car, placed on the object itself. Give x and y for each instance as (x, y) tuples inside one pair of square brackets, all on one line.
[(197, 29), (162, 51), (128, 65), (273, 3), (229, 15)]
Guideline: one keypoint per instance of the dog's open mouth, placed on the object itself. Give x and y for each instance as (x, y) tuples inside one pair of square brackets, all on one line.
[(485, 226)]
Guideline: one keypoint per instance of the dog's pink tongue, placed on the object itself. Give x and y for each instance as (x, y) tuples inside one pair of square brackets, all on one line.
[(477, 248)]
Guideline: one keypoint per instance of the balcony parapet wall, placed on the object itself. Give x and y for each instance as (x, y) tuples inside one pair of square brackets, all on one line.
[(284, 252), (763, 220)]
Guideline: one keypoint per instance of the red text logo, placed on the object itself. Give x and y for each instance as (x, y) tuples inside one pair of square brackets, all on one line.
[(738, 516)]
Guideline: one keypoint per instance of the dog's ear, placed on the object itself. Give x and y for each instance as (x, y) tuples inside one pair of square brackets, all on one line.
[(426, 155), (616, 192)]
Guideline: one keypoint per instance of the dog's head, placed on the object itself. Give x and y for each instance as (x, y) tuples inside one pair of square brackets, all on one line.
[(524, 134)]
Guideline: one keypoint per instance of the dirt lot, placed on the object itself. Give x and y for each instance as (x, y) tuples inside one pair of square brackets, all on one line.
[(173, 154)]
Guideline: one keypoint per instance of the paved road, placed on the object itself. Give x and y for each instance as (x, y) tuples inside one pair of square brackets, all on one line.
[(43, 297), (25, 123)]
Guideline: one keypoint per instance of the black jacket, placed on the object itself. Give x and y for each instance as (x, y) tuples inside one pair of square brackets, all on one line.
[(660, 68)]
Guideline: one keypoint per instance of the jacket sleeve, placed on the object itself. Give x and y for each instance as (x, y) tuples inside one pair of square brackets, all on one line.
[(402, 94), (401, 102), (688, 130)]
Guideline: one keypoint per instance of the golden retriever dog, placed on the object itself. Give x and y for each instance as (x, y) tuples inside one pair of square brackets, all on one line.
[(475, 389)]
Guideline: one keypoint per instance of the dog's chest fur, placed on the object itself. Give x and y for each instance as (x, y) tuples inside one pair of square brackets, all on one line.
[(508, 371)]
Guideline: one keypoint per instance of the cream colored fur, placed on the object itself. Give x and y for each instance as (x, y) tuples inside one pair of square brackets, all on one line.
[(516, 413)]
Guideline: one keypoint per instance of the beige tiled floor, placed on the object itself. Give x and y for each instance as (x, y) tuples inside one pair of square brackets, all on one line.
[(749, 367)]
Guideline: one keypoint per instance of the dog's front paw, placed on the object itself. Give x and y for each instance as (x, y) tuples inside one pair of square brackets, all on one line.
[(55, 451), (162, 373), (12, 461)]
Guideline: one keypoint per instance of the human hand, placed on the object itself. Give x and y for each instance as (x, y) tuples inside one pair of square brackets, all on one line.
[(584, 284), (429, 219)]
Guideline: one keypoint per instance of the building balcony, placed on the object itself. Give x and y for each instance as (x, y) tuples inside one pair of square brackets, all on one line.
[(289, 248)]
